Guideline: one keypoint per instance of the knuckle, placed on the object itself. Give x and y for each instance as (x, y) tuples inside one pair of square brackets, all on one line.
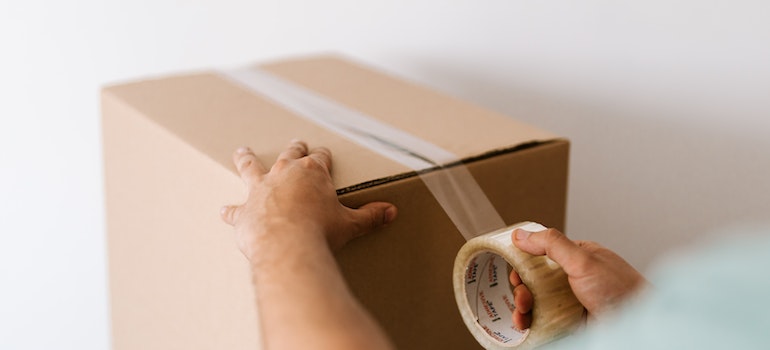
[(374, 219), (299, 147), (325, 151), (590, 245), (310, 163), (553, 236), (245, 163), (230, 215), (281, 164)]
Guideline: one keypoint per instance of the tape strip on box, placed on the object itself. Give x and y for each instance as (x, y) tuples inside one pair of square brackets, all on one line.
[(454, 188)]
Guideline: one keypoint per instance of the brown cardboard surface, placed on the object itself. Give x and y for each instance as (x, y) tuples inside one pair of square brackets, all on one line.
[(404, 273), (213, 116), (178, 281)]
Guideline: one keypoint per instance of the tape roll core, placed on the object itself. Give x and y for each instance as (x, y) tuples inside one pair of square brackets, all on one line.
[(491, 299), (485, 300)]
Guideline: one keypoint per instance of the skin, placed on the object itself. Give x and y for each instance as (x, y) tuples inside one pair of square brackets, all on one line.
[(600, 279), (292, 223), (288, 228)]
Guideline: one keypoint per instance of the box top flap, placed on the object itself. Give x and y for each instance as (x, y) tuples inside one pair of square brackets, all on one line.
[(215, 116)]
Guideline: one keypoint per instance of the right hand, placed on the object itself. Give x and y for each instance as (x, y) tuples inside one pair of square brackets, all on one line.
[(600, 279)]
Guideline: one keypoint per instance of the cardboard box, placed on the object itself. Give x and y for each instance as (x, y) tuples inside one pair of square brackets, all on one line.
[(177, 279)]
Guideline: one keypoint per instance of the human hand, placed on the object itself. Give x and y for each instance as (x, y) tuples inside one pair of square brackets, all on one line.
[(600, 279), (296, 201)]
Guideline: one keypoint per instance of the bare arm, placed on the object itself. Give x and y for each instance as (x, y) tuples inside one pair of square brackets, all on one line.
[(288, 229)]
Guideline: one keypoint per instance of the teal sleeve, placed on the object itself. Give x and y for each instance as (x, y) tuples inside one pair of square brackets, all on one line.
[(717, 297)]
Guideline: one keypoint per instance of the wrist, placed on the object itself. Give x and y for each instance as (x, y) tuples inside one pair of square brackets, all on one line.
[(274, 242)]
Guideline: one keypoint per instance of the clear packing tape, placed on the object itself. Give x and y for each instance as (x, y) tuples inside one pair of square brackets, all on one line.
[(486, 302), (455, 189)]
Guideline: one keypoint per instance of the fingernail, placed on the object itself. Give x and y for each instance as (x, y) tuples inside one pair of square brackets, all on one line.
[(522, 234), (390, 215), (223, 210), (296, 140), (242, 150)]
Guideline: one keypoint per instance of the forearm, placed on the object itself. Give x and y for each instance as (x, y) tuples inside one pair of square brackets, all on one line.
[(303, 300), (285, 228)]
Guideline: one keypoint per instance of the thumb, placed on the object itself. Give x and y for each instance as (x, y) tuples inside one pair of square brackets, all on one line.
[(373, 216), (553, 244), (229, 214)]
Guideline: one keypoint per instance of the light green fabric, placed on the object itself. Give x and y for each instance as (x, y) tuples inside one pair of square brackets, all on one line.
[(715, 298)]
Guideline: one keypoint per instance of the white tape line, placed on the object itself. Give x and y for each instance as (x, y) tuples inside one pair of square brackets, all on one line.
[(485, 300), (454, 187)]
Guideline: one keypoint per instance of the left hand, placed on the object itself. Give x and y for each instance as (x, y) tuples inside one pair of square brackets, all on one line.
[(296, 201)]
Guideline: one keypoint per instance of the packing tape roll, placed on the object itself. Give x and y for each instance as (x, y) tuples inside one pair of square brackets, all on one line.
[(485, 300)]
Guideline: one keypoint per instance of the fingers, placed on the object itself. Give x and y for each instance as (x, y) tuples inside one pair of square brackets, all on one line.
[(249, 167), (555, 245), (515, 279), (523, 302), (522, 299), (372, 216), (589, 246), (323, 155), (252, 170), (522, 321), (296, 150), (229, 214)]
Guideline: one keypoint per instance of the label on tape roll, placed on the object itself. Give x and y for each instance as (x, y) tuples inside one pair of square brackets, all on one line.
[(490, 297), (485, 300)]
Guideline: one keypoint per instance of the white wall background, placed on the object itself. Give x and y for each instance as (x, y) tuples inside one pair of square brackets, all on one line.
[(667, 103)]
